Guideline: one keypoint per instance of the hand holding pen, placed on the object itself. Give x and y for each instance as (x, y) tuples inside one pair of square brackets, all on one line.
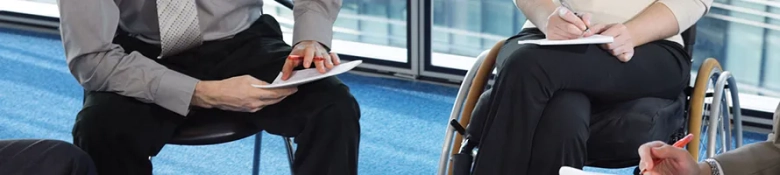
[(566, 24)]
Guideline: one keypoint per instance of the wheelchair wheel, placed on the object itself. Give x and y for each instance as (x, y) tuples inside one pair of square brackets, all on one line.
[(700, 119)]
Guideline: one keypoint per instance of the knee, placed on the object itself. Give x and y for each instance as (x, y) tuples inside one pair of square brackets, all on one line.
[(523, 60), (343, 107), (100, 114), (567, 111)]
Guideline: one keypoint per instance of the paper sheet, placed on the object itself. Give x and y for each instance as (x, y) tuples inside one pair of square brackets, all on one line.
[(565, 170), (595, 39), (308, 75)]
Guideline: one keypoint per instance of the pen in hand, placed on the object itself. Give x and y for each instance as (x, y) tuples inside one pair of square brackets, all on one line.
[(580, 15), (679, 144)]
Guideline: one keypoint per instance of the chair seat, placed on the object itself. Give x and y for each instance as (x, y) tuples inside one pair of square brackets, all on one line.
[(619, 130), (212, 130)]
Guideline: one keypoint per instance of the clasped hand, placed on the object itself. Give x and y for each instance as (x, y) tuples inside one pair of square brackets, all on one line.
[(564, 24)]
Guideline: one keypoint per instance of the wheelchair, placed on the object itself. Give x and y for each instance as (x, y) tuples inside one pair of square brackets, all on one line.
[(703, 107)]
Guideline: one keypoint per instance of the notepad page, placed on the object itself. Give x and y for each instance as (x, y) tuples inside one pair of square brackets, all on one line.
[(595, 39), (565, 170)]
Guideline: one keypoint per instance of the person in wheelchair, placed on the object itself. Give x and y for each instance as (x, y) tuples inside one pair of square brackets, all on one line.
[(542, 111)]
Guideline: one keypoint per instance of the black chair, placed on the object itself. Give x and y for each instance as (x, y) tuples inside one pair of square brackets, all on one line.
[(687, 114), (219, 130)]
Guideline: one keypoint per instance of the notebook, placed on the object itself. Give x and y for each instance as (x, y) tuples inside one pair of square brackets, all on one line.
[(565, 170), (308, 75), (595, 39)]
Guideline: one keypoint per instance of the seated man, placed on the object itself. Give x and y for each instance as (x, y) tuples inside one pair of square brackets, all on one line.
[(761, 158), (149, 66), (541, 104), (43, 157)]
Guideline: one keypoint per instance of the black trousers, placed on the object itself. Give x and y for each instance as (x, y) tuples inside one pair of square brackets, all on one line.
[(43, 157), (539, 110), (120, 133)]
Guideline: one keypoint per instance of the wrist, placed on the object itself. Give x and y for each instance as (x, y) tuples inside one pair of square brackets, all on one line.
[(632, 30), (704, 169), (201, 95)]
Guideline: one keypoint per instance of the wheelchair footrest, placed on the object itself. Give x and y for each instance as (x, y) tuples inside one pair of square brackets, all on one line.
[(462, 164)]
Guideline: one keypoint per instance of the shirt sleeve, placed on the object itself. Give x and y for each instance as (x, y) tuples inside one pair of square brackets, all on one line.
[(751, 159), (314, 20), (87, 28), (687, 12)]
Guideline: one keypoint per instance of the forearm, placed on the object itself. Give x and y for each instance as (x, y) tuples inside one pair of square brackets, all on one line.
[(656, 22), (536, 11), (666, 18), (314, 20)]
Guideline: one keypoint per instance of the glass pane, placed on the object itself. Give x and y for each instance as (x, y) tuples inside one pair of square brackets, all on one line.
[(462, 29), (47, 8), (740, 34), (368, 28)]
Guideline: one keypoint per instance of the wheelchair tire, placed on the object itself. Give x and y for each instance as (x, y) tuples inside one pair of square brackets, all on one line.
[(704, 78)]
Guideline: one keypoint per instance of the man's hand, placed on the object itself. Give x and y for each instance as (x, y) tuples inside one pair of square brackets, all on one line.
[(563, 24), (237, 94), (311, 52), (623, 45), (674, 161)]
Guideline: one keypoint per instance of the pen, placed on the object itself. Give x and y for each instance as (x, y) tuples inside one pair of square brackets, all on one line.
[(679, 144), (567, 6)]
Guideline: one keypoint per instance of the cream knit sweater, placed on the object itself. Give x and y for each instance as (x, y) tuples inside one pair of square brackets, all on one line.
[(687, 12)]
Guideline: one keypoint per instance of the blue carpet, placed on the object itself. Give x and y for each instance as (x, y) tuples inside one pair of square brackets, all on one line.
[(402, 121)]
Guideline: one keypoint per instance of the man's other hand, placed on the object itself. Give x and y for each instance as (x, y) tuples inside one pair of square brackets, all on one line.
[(308, 52), (673, 161), (237, 94)]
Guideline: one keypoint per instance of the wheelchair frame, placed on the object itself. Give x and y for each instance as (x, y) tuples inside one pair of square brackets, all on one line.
[(710, 73)]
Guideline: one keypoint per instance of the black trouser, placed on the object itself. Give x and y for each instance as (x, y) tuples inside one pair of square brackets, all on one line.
[(541, 104), (120, 133), (43, 157)]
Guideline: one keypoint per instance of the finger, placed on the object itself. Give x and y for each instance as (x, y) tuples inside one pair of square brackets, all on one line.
[(573, 30), (598, 28), (287, 69), (613, 31), (604, 47), (288, 91), (328, 61), (586, 19), (669, 152), (275, 101), (645, 156), (229, 108), (563, 32), (256, 109), (625, 57), (617, 51), (335, 58), (308, 56), (570, 17), (553, 35), (253, 105), (272, 94), (319, 62)]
